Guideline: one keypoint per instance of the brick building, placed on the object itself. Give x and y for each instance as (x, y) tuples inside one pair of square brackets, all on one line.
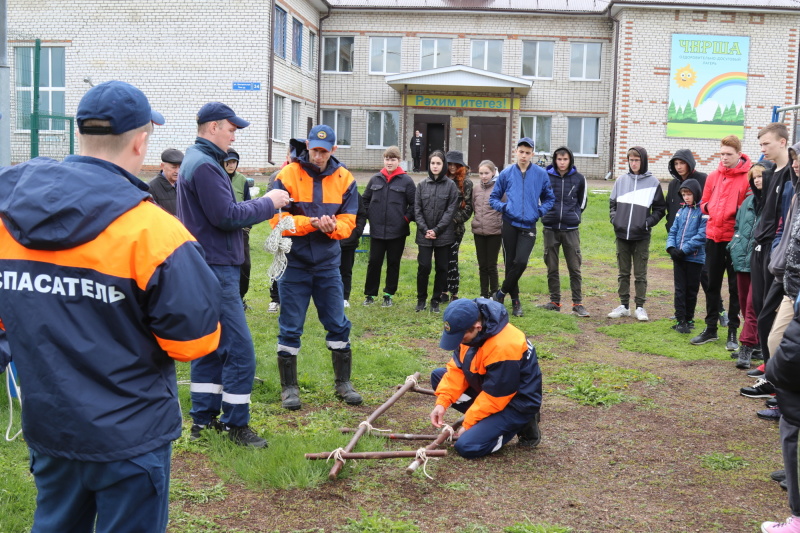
[(471, 75)]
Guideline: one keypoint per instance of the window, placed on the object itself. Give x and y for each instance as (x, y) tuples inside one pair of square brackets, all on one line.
[(584, 63), (312, 51), (487, 55), (297, 42), (382, 128), (294, 131), (339, 120), (277, 118), (52, 75), (338, 54), (279, 33), (537, 59), (384, 55), (435, 53), (582, 135), (538, 129)]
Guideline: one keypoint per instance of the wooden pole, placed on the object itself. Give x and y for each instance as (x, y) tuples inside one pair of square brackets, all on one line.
[(376, 455), (337, 466), (420, 390), (397, 436), (431, 448)]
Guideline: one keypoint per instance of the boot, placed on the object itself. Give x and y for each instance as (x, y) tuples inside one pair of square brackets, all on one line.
[(290, 392), (745, 353), (732, 343), (342, 363), (530, 436)]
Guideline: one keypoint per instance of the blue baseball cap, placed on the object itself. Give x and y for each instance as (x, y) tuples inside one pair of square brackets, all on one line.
[(214, 111), (321, 136), (121, 104), (458, 318), (525, 140)]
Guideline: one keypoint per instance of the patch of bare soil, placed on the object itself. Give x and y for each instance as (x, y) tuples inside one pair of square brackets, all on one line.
[(631, 467)]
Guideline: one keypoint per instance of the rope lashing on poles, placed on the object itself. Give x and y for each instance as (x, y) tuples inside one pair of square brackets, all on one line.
[(279, 246), (422, 457), (449, 429), (369, 427), (412, 379), (337, 455)]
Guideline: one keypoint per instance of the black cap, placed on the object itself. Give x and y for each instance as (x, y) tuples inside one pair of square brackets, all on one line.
[(171, 155), (233, 155)]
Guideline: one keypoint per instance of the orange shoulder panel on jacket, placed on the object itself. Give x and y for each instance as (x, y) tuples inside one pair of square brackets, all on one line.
[(508, 345)]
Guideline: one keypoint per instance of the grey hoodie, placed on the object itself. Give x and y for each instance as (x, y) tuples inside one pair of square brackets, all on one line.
[(637, 202)]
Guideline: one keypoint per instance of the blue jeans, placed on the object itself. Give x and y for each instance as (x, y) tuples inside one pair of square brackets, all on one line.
[(125, 496), (489, 434), (224, 378), (297, 287)]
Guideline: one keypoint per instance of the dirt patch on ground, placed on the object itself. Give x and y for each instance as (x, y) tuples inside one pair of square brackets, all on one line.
[(635, 466)]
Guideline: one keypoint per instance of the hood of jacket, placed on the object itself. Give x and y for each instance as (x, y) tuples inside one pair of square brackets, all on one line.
[(794, 149), (48, 205), (742, 167), (553, 169), (643, 156), (684, 155), (694, 186), (495, 318), (758, 193)]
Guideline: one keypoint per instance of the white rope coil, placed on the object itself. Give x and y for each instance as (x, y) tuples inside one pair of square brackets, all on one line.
[(423, 458), (369, 427), (279, 246)]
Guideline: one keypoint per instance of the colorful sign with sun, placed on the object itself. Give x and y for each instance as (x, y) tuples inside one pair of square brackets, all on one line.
[(708, 86)]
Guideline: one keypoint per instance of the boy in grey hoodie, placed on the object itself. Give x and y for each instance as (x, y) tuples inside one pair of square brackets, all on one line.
[(636, 205)]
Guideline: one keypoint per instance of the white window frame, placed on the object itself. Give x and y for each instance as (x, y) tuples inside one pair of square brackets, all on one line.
[(384, 144), (585, 47), (537, 58), (280, 31), (295, 119), (297, 51), (337, 113), (338, 55), (436, 53), (537, 119), (486, 61), (312, 51), (384, 42), (579, 152), (46, 92), (278, 117)]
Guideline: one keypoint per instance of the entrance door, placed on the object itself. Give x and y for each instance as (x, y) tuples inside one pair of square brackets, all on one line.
[(434, 135), (487, 140)]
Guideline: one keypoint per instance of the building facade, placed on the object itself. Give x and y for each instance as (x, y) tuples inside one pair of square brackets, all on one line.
[(475, 75)]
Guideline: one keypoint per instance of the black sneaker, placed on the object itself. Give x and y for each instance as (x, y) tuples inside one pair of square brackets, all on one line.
[(420, 306), (580, 310), (757, 372), (691, 324), (784, 485), (516, 308), (499, 296), (369, 300), (771, 413), (435, 306), (387, 301), (707, 335), (771, 402), (530, 435), (550, 306), (245, 436), (757, 354), (683, 327), (732, 344), (197, 429), (778, 475), (761, 389)]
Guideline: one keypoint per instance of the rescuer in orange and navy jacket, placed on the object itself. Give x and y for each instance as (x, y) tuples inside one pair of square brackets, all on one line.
[(324, 203), (493, 378), (100, 291)]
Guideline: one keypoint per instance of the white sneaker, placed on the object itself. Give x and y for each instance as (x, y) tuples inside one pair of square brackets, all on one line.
[(346, 303), (274, 307), (641, 314), (619, 312)]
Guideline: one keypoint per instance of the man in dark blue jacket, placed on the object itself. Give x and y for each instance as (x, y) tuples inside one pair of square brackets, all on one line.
[(528, 197), (208, 207), (561, 229)]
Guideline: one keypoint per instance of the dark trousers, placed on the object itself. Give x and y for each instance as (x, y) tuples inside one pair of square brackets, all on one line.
[(632, 255), (487, 248), (416, 155), (686, 276), (346, 270), (244, 273), (789, 434), (517, 247), (766, 318), (126, 496), (273, 293), (749, 334), (392, 249), (760, 282), (424, 258), (453, 275), (571, 242), (718, 261)]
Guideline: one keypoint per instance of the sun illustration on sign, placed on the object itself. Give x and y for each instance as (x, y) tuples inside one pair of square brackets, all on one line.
[(686, 77)]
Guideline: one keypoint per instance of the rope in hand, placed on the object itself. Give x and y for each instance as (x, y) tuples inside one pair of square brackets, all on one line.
[(337, 456), (279, 246), (450, 430), (369, 427), (423, 458)]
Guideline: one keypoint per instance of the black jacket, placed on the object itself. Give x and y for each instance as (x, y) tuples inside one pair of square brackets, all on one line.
[(570, 192), (164, 194), (783, 371), (435, 205), (464, 213), (351, 242), (389, 205), (674, 198)]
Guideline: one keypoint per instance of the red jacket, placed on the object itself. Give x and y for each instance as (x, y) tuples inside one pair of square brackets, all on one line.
[(725, 190)]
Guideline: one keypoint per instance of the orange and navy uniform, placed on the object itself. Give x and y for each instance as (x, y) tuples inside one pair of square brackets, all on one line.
[(315, 194), (98, 297), (500, 365)]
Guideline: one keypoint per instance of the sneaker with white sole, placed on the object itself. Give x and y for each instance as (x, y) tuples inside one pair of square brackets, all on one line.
[(641, 314), (274, 307), (792, 525), (760, 389), (346, 304), (619, 312)]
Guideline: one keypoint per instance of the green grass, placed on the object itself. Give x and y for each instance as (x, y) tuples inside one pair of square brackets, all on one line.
[(599, 384), (658, 338), (703, 131), (530, 527), (377, 523), (723, 461)]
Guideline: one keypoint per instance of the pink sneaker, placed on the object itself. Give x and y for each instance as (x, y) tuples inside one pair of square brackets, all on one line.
[(792, 525)]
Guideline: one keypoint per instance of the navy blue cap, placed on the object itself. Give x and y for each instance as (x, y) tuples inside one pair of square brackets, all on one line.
[(459, 317), (120, 103), (214, 111), (232, 155), (322, 136), (525, 140)]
